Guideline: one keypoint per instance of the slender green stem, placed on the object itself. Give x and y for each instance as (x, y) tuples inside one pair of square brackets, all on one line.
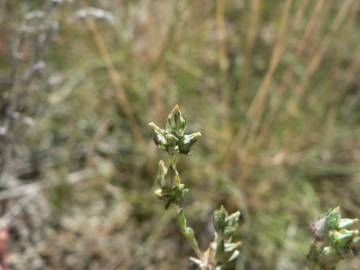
[(188, 232), (185, 229), (219, 249), (173, 160)]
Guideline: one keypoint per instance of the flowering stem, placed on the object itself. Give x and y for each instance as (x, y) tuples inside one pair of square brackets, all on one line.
[(173, 160), (175, 141)]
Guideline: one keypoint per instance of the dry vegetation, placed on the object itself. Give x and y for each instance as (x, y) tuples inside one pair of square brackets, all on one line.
[(272, 85)]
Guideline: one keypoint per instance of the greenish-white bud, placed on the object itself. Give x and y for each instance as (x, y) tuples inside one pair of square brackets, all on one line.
[(162, 173), (343, 237), (233, 219), (230, 247), (160, 140), (162, 168), (158, 193), (171, 139), (156, 128), (159, 135), (176, 122), (346, 223), (187, 142)]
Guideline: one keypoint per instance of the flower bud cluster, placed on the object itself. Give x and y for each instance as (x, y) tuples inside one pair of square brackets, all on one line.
[(334, 239), (173, 138), (171, 189)]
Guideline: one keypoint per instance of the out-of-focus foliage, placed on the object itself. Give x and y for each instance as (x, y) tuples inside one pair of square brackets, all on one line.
[(272, 85)]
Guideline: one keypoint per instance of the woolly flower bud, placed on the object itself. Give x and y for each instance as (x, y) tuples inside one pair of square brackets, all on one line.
[(318, 229)]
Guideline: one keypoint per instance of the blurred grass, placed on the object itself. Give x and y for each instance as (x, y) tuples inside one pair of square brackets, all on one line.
[(272, 85)]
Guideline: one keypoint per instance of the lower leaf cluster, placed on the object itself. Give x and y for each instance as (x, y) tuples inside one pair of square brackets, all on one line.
[(335, 239)]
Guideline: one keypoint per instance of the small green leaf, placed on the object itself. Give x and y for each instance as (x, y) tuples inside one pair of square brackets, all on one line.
[(229, 247), (235, 254), (182, 220), (187, 231), (229, 231), (233, 219), (183, 225)]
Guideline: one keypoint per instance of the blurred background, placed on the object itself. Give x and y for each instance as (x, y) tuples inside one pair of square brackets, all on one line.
[(272, 85)]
